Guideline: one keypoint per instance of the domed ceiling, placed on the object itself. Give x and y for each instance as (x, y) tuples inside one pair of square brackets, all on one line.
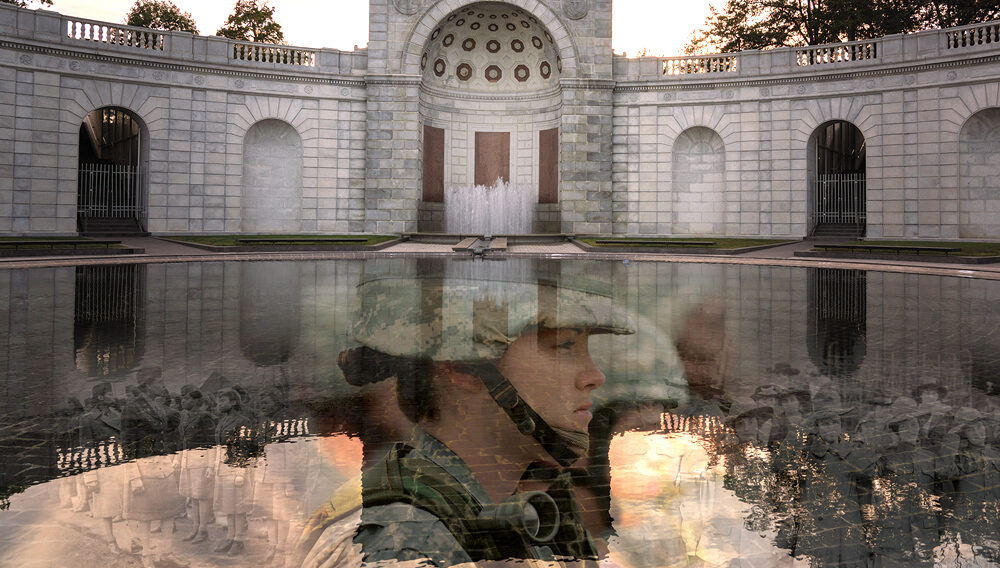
[(491, 47)]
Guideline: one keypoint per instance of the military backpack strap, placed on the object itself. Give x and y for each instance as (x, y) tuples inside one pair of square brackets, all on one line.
[(402, 478)]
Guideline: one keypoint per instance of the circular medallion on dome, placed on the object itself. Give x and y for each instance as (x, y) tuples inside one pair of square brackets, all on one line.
[(423, 61), (435, 33), (511, 27), (493, 27), (439, 67), (493, 46), (548, 36), (545, 69), (504, 16), (463, 71), (470, 13), (493, 74), (493, 16), (521, 73), (451, 17), (536, 41), (474, 25), (525, 24), (480, 15), (469, 44), (460, 22), (448, 40), (517, 45), (559, 63)]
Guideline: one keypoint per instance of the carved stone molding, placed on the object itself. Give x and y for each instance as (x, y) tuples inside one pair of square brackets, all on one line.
[(407, 7), (576, 9)]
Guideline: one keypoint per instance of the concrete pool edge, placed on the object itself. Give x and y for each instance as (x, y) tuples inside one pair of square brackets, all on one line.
[(786, 260)]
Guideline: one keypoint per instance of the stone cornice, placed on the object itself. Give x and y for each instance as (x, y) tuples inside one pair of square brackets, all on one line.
[(588, 84), (634, 86), (397, 80), (491, 97), (182, 67)]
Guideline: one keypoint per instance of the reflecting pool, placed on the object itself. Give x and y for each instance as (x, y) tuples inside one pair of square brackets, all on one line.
[(629, 414)]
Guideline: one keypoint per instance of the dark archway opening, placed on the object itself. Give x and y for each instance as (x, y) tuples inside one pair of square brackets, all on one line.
[(837, 180), (111, 194)]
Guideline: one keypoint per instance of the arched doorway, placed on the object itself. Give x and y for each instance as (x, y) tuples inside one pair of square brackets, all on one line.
[(837, 180), (111, 180)]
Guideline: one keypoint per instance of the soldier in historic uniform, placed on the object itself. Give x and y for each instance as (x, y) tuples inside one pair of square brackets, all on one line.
[(493, 365)]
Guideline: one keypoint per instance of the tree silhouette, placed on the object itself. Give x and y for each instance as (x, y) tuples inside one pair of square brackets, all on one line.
[(252, 20), (26, 3), (160, 15), (763, 24)]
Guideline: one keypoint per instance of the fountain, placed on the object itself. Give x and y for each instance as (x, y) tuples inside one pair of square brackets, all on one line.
[(499, 209)]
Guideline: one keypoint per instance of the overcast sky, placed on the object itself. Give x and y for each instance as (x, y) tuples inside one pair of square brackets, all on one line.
[(661, 26)]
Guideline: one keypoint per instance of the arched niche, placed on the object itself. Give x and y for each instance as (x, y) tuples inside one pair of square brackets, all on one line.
[(979, 173), (272, 178), (837, 172), (698, 182), (112, 172)]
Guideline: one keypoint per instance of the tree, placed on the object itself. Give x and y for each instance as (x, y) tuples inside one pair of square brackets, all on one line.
[(763, 24), (160, 15), (252, 20), (26, 3)]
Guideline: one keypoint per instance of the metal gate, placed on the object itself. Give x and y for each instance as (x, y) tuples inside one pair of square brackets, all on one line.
[(110, 178), (110, 190), (840, 199)]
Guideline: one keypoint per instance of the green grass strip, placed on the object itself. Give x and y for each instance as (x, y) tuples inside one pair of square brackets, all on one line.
[(654, 242), (231, 240)]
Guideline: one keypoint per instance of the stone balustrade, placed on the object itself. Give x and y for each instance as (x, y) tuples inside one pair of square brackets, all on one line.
[(920, 47), (113, 34), (280, 54), (972, 36), (724, 63), (837, 53), (45, 29)]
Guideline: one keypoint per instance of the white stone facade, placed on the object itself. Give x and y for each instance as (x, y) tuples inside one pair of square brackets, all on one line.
[(332, 142)]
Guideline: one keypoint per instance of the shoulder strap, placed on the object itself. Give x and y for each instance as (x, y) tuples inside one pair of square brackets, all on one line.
[(405, 478)]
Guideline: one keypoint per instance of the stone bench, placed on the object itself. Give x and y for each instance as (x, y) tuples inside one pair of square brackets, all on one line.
[(889, 248), (655, 243), (58, 243)]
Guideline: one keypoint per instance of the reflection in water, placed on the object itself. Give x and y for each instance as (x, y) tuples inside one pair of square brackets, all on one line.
[(269, 311), (837, 319), (722, 436), (109, 318)]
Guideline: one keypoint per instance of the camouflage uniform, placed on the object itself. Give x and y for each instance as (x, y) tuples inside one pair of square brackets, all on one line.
[(472, 314)]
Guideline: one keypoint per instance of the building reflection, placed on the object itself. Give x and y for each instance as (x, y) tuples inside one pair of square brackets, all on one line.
[(838, 319), (109, 319), (219, 462)]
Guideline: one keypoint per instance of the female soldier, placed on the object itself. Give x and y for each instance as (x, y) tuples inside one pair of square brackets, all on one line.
[(493, 365)]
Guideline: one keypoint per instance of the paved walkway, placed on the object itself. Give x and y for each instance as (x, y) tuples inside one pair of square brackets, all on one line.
[(159, 251)]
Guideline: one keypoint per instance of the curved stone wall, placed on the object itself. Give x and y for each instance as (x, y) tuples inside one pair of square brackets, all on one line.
[(925, 104)]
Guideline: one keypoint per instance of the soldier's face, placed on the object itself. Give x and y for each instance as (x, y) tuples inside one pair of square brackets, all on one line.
[(553, 372)]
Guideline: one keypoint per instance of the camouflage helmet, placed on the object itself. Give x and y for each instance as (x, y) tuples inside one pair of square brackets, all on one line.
[(473, 310)]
